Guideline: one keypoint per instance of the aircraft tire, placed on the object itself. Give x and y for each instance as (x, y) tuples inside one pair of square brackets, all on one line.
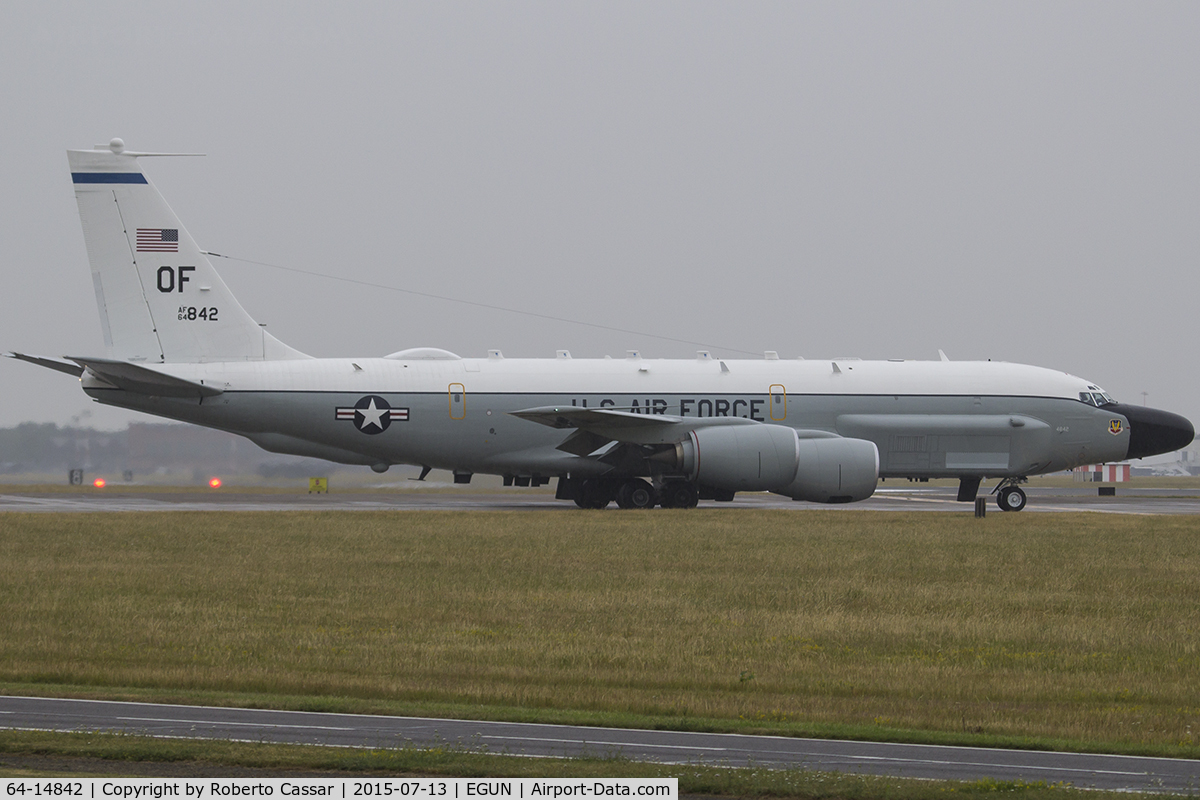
[(680, 494), (594, 493), (635, 493), (1011, 498)]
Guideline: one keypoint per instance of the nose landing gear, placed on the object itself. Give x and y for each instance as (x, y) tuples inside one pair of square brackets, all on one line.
[(1010, 496), (1011, 499)]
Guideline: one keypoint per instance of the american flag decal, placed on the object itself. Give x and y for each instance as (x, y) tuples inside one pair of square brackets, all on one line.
[(158, 240)]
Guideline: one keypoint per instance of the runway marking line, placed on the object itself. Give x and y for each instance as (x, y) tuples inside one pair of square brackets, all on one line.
[(246, 724), (615, 744)]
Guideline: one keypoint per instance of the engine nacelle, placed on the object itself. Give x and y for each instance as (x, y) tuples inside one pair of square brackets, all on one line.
[(744, 458), (773, 458), (834, 470)]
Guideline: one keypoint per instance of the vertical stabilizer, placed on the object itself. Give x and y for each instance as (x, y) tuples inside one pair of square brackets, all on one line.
[(160, 299)]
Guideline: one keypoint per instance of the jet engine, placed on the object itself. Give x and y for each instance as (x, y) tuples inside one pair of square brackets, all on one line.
[(775, 458)]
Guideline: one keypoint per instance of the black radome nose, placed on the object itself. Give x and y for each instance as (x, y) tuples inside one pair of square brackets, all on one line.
[(1152, 432)]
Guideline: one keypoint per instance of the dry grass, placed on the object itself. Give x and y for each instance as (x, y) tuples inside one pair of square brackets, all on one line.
[(1075, 627)]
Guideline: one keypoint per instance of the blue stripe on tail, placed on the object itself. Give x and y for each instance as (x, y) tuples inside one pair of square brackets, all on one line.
[(108, 177)]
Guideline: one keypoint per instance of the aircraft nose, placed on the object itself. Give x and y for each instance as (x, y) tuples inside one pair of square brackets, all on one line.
[(1152, 431)]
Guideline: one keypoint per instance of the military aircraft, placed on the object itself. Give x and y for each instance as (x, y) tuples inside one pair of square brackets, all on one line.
[(640, 431)]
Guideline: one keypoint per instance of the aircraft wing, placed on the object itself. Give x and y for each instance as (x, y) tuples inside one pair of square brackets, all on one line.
[(596, 427), (591, 418), (142, 380)]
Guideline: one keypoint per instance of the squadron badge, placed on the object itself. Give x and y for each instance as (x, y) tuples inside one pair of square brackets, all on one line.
[(372, 414), (1115, 426)]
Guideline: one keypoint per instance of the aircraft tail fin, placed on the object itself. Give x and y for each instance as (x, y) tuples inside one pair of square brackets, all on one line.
[(160, 298)]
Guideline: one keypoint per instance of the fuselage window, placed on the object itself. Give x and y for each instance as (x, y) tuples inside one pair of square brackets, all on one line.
[(1086, 397)]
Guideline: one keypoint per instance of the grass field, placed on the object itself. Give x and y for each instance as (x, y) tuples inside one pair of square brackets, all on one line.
[(1060, 630)]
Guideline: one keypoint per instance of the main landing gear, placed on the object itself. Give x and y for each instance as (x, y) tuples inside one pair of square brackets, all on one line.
[(1010, 496), (679, 494), (594, 493), (635, 493), (632, 493)]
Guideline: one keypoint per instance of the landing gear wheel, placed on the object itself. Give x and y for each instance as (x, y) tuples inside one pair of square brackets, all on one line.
[(635, 493), (680, 494), (593, 494), (1011, 498)]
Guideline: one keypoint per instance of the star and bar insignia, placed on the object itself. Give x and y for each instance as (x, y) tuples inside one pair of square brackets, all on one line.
[(372, 414)]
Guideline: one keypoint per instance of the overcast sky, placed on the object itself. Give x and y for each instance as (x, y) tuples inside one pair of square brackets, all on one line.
[(1015, 181)]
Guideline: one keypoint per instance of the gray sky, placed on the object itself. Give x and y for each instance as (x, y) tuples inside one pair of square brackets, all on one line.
[(1016, 181)]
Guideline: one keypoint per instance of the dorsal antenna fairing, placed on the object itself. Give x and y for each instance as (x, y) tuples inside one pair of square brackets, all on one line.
[(117, 147)]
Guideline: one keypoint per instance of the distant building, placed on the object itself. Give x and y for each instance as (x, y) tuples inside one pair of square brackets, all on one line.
[(143, 450), (1103, 473), (1180, 463), (151, 448)]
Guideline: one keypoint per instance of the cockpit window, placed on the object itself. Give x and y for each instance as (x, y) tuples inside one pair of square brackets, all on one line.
[(1095, 398)]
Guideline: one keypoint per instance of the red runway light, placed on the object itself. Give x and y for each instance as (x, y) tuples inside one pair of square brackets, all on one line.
[(99, 483), (215, 483)]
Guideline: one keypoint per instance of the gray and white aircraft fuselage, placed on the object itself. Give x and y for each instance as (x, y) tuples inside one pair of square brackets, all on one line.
[(641, 431)]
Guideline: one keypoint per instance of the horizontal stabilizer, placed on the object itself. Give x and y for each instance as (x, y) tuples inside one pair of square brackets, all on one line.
[(49, 363), (143, 380)]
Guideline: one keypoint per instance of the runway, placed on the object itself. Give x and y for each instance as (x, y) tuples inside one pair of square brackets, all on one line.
[(557, 741), (895, 496)]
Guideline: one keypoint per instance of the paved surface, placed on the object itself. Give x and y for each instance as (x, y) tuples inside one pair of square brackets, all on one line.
[(352, 730), (891, 496)]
